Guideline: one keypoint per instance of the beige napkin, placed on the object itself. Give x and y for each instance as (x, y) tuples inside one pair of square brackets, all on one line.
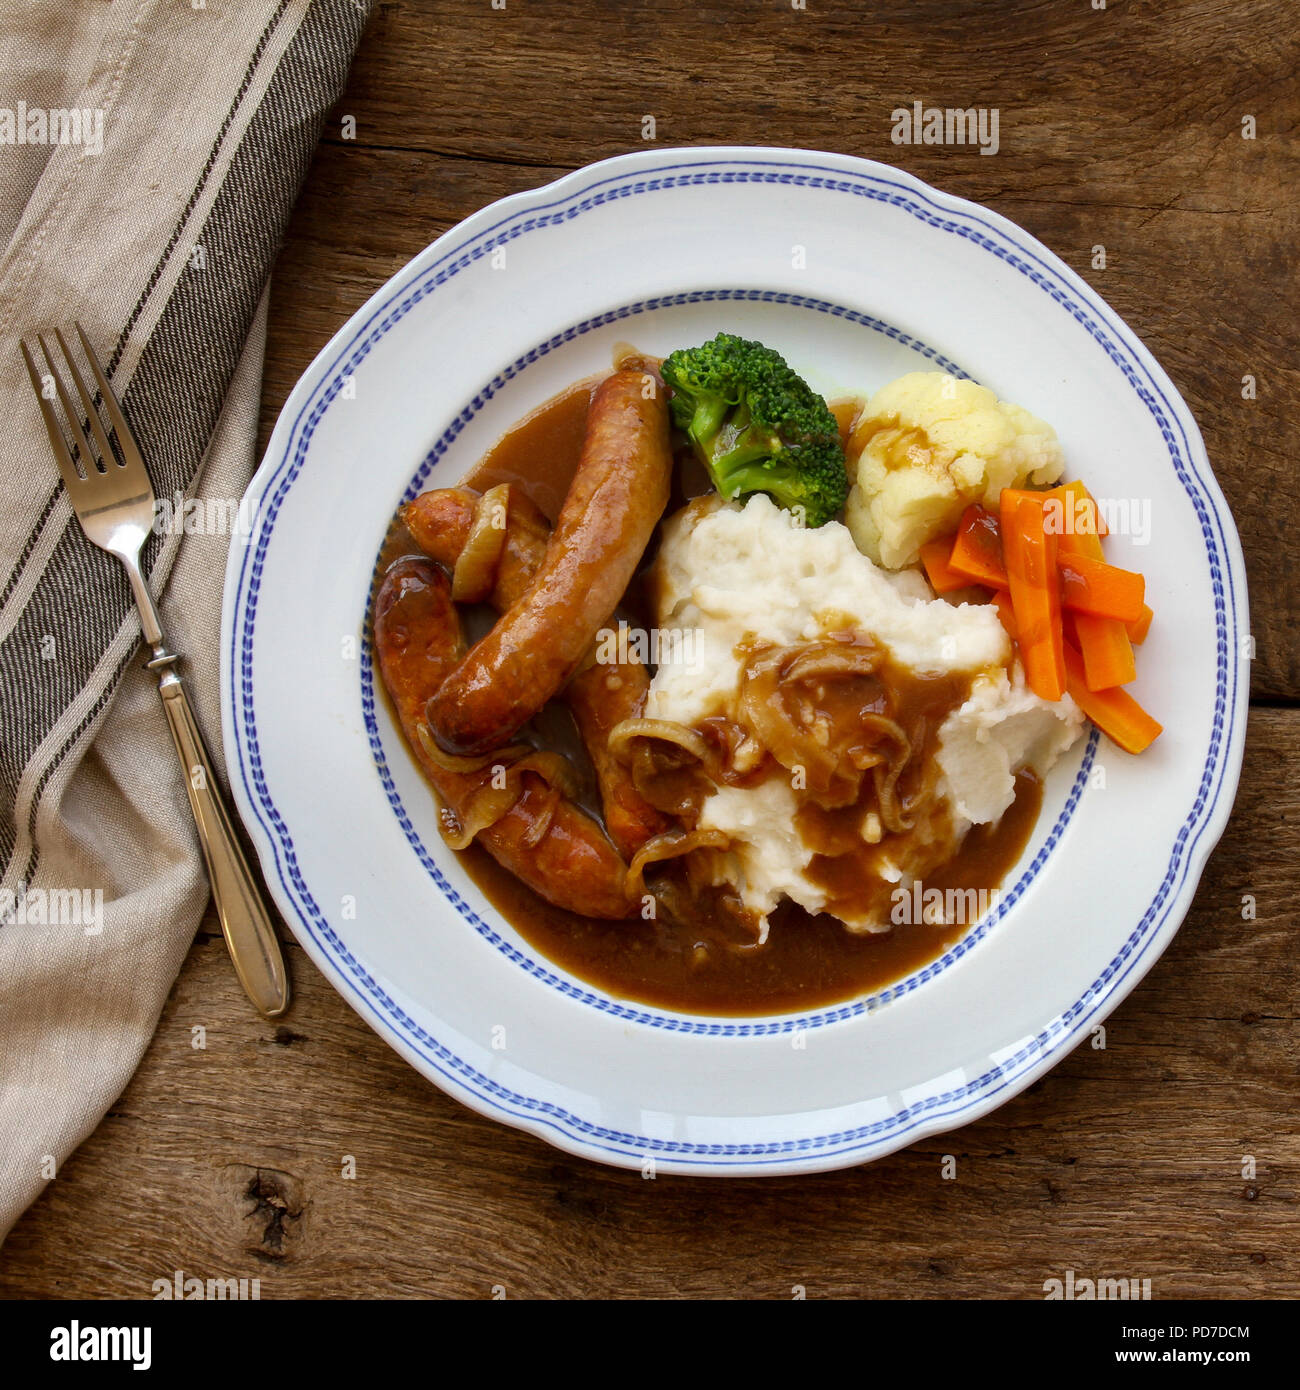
[(150, 152)]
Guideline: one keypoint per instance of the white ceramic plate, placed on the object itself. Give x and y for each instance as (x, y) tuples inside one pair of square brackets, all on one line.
[(856, 272)]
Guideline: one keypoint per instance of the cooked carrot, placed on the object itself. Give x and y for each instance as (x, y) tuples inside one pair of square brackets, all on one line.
[(1096, 652), (1140, 626), (1088, 583), (977, 548), (1069, 626), (1107, 652), (943, 579), (1103, 642), (1006, 611), (1075, 520), (1093, 586), (1072, 511), (1115, 712), (1029, 553)]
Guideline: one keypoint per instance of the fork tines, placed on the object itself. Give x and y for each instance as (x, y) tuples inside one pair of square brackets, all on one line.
[(80, 452)]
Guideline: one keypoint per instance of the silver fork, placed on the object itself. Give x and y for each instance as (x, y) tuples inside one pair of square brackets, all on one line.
[(114, 501)]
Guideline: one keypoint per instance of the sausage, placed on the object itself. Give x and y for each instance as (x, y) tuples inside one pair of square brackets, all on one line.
[(419, 641), (617, 495), (440, 523), (600, 696)]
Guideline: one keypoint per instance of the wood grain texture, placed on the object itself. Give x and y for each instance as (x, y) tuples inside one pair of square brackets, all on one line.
[(1119, 128)]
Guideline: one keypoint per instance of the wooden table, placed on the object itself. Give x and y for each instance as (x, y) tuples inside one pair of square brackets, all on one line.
[(1119, 128)]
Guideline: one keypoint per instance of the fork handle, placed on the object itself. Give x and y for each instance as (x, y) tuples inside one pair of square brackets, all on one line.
[(245, 922)]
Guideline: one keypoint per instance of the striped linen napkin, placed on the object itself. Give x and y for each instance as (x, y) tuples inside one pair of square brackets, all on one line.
[(150, 153)]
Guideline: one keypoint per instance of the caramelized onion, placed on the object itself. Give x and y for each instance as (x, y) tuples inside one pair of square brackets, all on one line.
[(666, 761), (450, 762), (669, 780), (891, 814), (476, 565), (831, 661), (553, 768), (488, 803), (485, 807), (543, 822), (779, 700), (791, 744), (628, 358), (889, 730), (672, 844), (665, 730)]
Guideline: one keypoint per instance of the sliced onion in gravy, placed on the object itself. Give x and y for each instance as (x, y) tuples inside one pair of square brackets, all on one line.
[(476, 565)]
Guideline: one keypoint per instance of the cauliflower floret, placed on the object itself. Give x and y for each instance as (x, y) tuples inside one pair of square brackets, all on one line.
[(928, 445)]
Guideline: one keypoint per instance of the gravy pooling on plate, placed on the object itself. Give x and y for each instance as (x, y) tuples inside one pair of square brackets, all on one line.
[(807, 962), (698, 951)]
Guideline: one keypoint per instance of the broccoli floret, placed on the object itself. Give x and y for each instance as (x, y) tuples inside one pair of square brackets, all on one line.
[(757, 426)]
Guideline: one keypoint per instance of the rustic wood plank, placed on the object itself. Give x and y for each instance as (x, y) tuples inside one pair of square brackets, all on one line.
[(1127, 1162), (1119, 128)]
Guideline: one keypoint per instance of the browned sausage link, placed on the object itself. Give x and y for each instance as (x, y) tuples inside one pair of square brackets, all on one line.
[(418, 640), (600, 696), (440, 522), (617, 495)]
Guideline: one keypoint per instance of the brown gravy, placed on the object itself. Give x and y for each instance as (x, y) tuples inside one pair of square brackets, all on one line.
[(808, 961), (539, 455), (846, 411)]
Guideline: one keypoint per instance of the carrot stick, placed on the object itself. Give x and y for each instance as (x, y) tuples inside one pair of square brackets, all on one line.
[(1115, 712), (1029, 553), (1088, 583), (1139, 627), (1103, 642), (1072, 511), (977, 548), (1093, 586), (1107, 652), (943, 579), (1002, 602)]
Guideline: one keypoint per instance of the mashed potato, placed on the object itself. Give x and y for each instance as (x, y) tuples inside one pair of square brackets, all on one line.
[(734, 572), (727, 573), (925, 447), (1000, 729)]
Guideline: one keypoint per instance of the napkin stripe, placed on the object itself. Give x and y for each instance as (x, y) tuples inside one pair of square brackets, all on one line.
[(123, 338), (173, 401), (73, 562), (174, 240), (33, 538)]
